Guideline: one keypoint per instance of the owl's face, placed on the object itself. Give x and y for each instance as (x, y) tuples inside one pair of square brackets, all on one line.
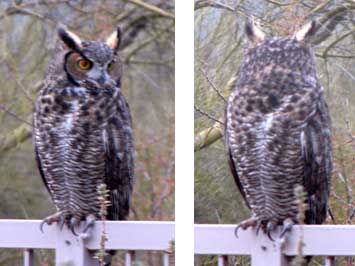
[(91, 63)]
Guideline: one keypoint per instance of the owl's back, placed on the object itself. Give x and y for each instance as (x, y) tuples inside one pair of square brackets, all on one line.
[(278, 132)]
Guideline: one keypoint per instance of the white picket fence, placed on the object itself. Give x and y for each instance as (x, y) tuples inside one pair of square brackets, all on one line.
[(318, 240), (71, 250)]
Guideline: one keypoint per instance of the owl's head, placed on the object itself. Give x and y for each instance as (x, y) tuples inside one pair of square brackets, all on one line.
[(256, 36), (91, 62), (277, 58)]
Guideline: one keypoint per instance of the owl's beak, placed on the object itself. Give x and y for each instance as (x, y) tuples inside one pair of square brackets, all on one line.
[(104, 79)]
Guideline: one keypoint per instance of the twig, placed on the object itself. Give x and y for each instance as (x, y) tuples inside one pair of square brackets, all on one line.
[(343, 201), (19, 10), (152, 8), (211, 3), (207, 115), (4, 109), (336, 55), (212, 84), (281, 4), (346, 71), (338, 40), (147, 42), (330, 20), (318, 7)]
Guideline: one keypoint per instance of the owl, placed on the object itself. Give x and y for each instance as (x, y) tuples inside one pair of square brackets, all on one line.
[(82, 131), (278, 131)]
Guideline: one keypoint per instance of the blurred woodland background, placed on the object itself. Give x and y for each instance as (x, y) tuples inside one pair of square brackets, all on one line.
[(27, 40), (219, 43)]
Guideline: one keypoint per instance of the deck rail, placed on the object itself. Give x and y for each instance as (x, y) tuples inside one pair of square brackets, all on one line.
[(318, 240), (77, 250)]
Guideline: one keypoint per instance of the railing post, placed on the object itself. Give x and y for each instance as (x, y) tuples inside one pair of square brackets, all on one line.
[(129, 257), (165, 259), (222, 260), (266, 252), (28, 257), (329, 261), (71, 250)]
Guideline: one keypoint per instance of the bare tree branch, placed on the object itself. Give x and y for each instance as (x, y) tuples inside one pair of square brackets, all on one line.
[(211, 3), (208, 136), (15, 137), (351, 31), (208, 115), (7, 111), (152, 8), (327, 23), (213, 85)]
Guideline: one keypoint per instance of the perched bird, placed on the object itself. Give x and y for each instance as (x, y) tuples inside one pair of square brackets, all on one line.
[(82, 131), (278, 131)]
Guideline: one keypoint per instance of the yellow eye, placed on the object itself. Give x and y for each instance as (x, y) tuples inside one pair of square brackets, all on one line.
[(110, 67), (83, 64)]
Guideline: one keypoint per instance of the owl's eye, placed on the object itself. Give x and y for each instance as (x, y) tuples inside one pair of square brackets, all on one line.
[(110, 67), (83, 64)]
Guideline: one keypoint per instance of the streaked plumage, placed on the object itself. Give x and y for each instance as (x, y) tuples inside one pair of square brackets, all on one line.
[(277, 133), (82, 131)]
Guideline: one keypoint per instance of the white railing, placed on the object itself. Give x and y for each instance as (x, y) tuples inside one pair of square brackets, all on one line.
[(319, 240), (71, 250)]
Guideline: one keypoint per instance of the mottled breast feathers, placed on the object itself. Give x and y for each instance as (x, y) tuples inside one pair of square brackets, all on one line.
[(82, 129)]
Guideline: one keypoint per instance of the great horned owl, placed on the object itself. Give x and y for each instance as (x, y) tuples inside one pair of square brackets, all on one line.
[(82, 131), (278, 132)]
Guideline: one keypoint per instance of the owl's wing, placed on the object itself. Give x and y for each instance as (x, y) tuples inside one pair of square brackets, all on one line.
[(316, 152), (38, 160), (233, 165), (119, 164), (233, 168)]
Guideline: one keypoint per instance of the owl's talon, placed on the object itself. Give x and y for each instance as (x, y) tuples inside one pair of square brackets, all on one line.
[(251, 222), (61, 223), (236, 230), (269, 228), (90, 222), (286, 227), (72, 229), (41, 225), (258, 226), (73, 222), (54, 218)]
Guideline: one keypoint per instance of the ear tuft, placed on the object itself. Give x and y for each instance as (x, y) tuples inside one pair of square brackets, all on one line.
[(306, 32), (253, 32), (114, 39), (69, 38)]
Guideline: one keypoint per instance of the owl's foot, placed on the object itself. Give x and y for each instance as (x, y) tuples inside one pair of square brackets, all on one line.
[(74, 221), (58, 217), (270, 226), (286, 226), (90, 222), (251, 222)]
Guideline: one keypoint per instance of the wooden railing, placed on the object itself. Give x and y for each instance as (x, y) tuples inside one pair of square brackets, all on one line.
[(71, 250), (318, 240)]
